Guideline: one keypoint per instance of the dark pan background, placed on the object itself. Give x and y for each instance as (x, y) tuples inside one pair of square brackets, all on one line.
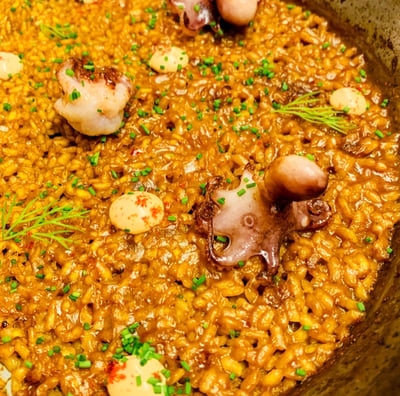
[(370, 364)]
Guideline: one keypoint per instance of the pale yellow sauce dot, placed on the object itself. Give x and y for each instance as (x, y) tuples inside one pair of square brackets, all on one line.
[(10, 64), (168, 59), (136, 212), (348, 99), (124, 378)]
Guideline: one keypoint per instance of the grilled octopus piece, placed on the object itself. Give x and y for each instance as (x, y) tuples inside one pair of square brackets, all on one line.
[(194, 14), (256, 216), (94, 99)]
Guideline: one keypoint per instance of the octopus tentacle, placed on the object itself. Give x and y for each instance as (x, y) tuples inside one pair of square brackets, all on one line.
[(194, 14), (255, 224)]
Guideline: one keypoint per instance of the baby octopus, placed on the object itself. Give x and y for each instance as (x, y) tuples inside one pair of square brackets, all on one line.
[(257, 215), (194, 14), (94, 98)]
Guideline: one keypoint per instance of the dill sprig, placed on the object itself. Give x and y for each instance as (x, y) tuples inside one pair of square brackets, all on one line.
[(60, 32), (31, 220), (325, 115)]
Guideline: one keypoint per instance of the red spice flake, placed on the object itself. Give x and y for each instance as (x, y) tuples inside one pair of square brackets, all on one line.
[(142, 200), (157, 375), (146, 220), (132, 216), (113, 369), (156, 211)]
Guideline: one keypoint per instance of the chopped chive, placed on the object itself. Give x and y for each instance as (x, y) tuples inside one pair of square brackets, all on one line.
[(114, 174), (153, 381), (301, 372), (145, 129), (310, 157), (56, 349), (84, 364), (74, 296), (361, 307), (385, 102), (241, 192), (158, 110), (166, 373), (188, 388), (74, 95), (185, 365)]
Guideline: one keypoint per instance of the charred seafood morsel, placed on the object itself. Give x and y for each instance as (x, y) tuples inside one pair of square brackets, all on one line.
[(94, 98), (194, 14), (258, 214)]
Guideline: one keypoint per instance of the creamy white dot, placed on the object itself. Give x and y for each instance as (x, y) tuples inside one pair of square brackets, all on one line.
[(10, 64), (350, 100), (136, 212), (130, 378), (168, 59)]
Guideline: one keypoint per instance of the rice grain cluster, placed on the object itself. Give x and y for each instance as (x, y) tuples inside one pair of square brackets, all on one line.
[(63, 305)]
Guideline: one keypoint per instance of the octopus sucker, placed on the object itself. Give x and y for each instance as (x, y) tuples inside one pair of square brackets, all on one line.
[(258, 214)]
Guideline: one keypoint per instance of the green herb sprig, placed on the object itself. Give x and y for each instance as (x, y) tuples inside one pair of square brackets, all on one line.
[(31, 220), (325, 115), (60, 32)]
